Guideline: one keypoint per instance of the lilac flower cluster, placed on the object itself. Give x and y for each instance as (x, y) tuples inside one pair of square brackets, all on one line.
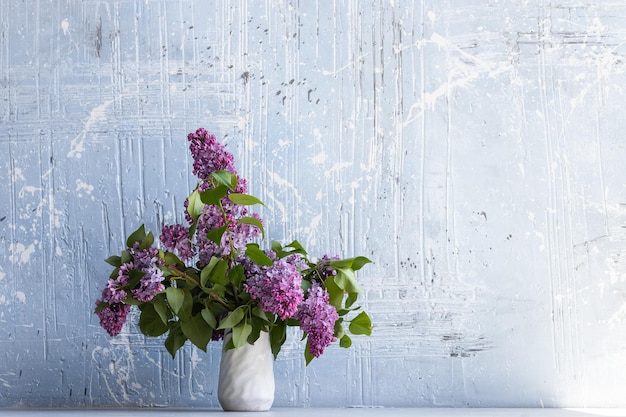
[(175, 237), (324, 270), (317, 318), (113, 317), (277, 287), (208, 154), (146, 261)]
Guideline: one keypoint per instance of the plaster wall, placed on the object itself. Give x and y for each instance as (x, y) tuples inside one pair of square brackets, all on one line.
[(473, 150)]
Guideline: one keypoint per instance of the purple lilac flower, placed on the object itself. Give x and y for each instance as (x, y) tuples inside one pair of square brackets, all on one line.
[(114, 292), (297, 261), (208, 154), (317, 318), (217, 335), (175, 237), (147, 261), (113, 317), (277, 288), (213, 218), (325, 271)]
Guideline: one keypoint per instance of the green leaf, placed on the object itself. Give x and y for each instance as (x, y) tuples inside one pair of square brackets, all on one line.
[(195, 206), (147, 242), (296, 247), (175, 298), (209, 317), (171, 259), (160, 306), (244, 199), (355, 263), (240, 334), (218, 290), (352, 297), (307, 354), (278, 336), (197, 331), (150, 322), (257, 256), (215, 235), (236, 275), (126, 257), (131, 301), (225, 178), (134, 277), (180, 301), (346, 280), (206, 271), (101, 306), (232, 319), (115, 261), (361, 324), (276, 246), (258, 312), (190, 278), (335, 294), (339, 330), (359, 262), (193, 228), (345, 341), (214, 195), (175, 340), (258, 326), (252, 221), (137, 236), (218, 274)]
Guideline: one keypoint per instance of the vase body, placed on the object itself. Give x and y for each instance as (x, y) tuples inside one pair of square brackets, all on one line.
[(246, 381)]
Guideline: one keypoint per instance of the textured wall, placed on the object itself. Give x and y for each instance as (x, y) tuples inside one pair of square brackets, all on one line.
[(472, 149)]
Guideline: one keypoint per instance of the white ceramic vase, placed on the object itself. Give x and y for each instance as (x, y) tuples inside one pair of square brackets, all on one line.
[(246, 381)]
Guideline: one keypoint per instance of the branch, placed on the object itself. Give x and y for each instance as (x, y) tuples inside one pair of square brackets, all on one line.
[(213, 297)]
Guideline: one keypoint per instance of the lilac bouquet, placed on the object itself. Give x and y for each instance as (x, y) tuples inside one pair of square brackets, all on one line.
[(210, 276)]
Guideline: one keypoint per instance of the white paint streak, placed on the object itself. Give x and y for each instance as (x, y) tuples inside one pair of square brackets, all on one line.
[(65, 25), (82, 186), (28, 189), (21, 297), (17, 175), (463, 72), (97, 114), (20, 253)]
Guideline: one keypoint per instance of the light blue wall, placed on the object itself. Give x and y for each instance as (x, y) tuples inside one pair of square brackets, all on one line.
[(474, 150)]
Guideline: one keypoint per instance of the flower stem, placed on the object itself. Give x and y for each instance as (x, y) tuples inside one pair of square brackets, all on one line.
[(213, 297)]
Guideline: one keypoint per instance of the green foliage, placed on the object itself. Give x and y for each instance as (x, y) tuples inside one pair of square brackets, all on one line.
[(214, 195), (137, 236), (197, 330), (215, 235), (233, 319), (195, 206), (150, 322), (175, 339), (361, 324), (225, 178), (244, 199), (258, 256), (199, 300)]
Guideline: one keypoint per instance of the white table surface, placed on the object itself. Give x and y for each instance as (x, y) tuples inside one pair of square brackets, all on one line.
[(321, 412)]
